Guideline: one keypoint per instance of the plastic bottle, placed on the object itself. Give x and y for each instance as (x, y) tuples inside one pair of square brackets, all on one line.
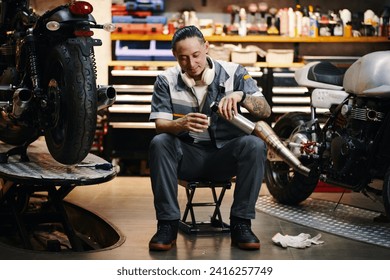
[(380, 30), (291, 22), (242, 30), (305, 23), (273, 30), (348, 30), (346, 18), (283, 22), (298, 21), (263, 19), (313, 23), (193, 19)]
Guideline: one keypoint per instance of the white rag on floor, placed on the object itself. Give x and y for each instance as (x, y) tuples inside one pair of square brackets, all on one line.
[(301, 241)]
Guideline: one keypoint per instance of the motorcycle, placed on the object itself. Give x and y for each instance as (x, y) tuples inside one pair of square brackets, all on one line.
[(350, 148), (48, 78)]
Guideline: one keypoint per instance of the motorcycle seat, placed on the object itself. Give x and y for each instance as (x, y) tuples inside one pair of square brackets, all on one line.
[(326, 72)]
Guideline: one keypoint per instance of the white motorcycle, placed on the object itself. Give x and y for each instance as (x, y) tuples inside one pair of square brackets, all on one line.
[(352, 148)]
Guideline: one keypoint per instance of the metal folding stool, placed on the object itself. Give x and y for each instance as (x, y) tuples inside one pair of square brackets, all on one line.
[(216, 223)]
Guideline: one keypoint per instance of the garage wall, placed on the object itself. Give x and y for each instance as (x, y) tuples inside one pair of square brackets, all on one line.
[(217, 10), (220, 5)]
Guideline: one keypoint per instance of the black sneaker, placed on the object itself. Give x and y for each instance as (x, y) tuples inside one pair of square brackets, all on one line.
[(243, 237), (165, 237)]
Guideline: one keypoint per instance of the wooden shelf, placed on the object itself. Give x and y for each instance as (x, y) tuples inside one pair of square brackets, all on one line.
[(131, 63), (256, 39), (134, 63)]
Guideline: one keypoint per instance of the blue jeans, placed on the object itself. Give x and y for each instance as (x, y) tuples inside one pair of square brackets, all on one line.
[(171, 159)]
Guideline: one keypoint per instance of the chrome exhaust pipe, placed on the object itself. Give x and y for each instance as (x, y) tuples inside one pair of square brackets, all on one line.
[(265, 132), (106, 97), (21, 102), (262, 130)]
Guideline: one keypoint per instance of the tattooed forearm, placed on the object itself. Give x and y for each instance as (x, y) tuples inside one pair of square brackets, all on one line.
[(257, 106)]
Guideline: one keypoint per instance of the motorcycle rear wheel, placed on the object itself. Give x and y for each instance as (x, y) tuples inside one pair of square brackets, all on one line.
[(71, 136), (285, 184)]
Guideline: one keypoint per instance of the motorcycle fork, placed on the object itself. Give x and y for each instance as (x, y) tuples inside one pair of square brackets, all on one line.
[(32, 62)]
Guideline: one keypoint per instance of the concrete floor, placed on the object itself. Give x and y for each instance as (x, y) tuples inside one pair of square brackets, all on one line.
[(126, 203)]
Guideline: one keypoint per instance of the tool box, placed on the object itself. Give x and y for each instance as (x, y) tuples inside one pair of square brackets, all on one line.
[(133, 19), (144, 50), (149, 5), (139, 28)]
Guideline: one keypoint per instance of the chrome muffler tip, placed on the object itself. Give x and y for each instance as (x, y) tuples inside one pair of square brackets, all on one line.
[(106, 97), (21, 101)]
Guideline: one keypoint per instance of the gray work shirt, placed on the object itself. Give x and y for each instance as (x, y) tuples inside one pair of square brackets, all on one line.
[(172, 98)]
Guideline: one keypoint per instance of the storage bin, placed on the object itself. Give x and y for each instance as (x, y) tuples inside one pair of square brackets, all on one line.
[(280, 56), (220, 52), (244, 57), (247, 55)]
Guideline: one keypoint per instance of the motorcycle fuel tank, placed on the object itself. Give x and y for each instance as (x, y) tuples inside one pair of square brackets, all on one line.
[(369, 76)]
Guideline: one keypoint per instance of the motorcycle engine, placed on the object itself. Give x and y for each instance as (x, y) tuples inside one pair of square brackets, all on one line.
[(351, 140), (348, 156)]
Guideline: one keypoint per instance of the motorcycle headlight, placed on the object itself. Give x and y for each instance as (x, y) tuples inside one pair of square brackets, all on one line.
[(53, 25)]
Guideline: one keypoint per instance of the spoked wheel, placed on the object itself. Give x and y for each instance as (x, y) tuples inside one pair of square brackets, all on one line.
[(71, 87), (285, 184)]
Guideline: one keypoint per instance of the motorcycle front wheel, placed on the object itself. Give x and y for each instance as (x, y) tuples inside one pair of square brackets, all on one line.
[(285, 184), (71, 87)]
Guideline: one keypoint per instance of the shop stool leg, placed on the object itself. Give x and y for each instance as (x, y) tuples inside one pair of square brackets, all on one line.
[(216, 223)]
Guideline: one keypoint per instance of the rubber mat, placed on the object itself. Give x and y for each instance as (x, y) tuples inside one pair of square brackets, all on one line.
[(343, 220)]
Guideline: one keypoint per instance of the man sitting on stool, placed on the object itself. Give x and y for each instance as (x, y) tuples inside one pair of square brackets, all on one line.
[(194, 143)]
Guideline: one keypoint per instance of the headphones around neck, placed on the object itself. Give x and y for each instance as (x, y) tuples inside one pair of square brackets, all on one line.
[(207, 76)]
